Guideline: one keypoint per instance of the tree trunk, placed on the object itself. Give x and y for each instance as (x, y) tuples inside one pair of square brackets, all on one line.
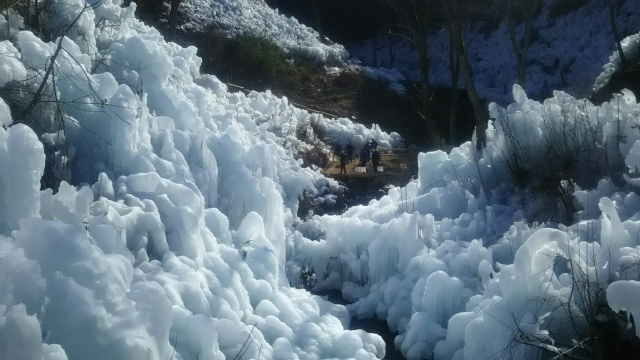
[(425, 95), (375, 52), (173, 18), (390, 50), (616, 35), (524, 53), (478, 107), (521, 53), (521, 65), (35, 18), (27, 6), (318, 22), (454, 67)]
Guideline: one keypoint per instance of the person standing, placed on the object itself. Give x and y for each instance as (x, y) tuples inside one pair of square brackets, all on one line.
[(363, 158), (375, 159), (337, 150), (343, 162), (349, 151), (367, 149)]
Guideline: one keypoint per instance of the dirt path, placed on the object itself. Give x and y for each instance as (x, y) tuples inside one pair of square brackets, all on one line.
[(392, 164)]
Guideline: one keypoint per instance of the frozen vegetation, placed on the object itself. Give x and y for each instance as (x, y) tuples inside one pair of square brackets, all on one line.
[(173, 233), (631, 48), (567, 52), (255, 17)]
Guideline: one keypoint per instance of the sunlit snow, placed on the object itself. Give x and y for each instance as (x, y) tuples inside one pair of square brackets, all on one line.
[(175, 233)]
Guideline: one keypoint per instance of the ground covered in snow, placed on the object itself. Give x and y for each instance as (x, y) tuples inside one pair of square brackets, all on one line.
[(173, 231)]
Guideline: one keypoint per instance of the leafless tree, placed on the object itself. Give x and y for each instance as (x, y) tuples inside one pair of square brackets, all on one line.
[(173, 17), (454, 68), (30, 10), (511, 10), (613, 7), (316, 13), (458, 14), (415, 17), (35, 100)]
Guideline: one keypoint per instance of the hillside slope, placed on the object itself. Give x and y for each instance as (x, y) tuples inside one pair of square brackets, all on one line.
[(568, 51)]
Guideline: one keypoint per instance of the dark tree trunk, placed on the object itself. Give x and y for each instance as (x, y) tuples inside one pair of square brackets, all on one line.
[(390, 38), (316, 12), (616, 35), (425, 95), (173, 18), (524, 54), (27, 10), (521, 53), (35, 18), (375, 52), (479, 110), (454, 67)]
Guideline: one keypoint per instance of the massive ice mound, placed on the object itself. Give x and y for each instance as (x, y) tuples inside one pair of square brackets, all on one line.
[(450, 261), (173, 239)]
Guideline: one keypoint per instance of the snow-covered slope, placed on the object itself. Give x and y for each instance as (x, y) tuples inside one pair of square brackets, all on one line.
[(567, 53), (257, 18)]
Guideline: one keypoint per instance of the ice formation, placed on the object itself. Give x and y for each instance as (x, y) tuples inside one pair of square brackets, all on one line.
[(179, 238), (631, 48), (450, 262), (256, 17), (173, 242)]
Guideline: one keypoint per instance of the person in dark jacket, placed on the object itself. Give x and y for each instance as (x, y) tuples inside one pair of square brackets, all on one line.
[(363, 158), (375, 159), (374, 144), (367, 149), (349, 152), (343, 162)]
